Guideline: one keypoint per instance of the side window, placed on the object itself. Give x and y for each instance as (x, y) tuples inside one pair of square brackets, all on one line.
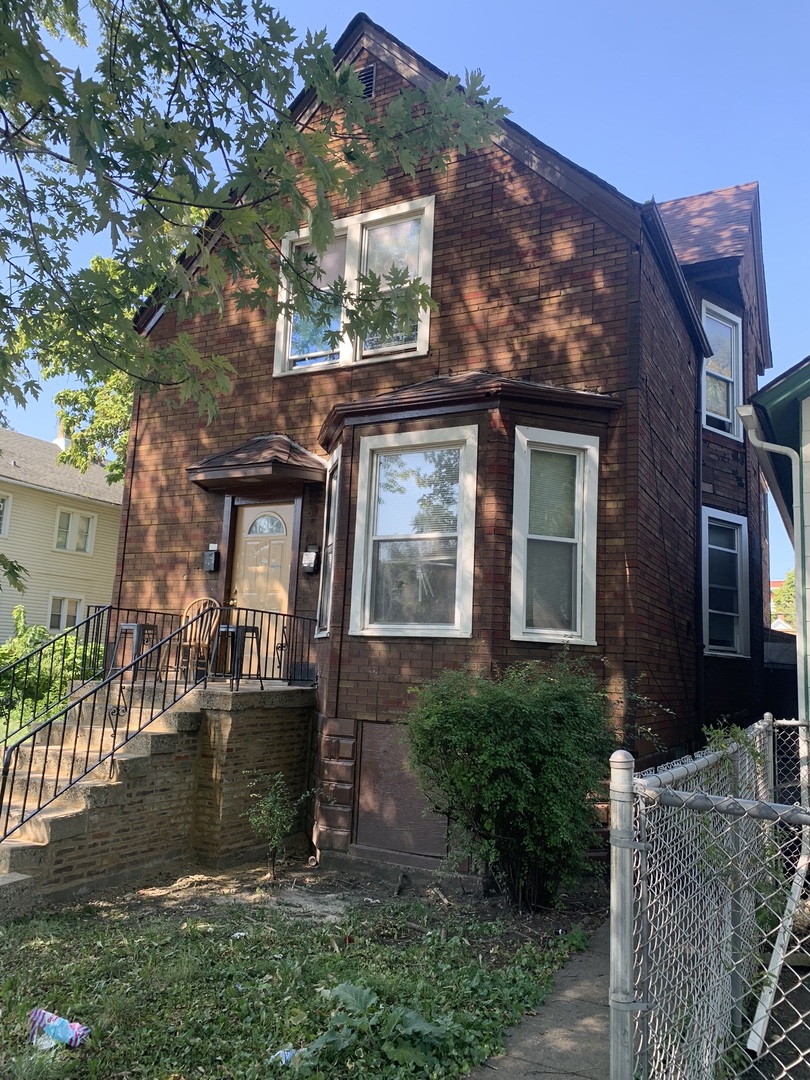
[(328, 560), (65, 611), (74, 531), (722, 383), (414, 549), (725, 583), (554, 536), (396, 240), (5, 513)]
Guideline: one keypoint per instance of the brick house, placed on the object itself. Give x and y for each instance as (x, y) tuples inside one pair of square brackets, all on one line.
[(544, 462)]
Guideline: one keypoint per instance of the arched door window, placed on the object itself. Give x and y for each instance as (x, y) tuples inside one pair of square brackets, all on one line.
[(267, 525)]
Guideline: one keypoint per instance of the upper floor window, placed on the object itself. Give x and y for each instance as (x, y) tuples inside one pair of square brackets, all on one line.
[(554, 536), (5, 513), (413, 560), (398, 237), (74, 531), (722, 384), (725, 583)]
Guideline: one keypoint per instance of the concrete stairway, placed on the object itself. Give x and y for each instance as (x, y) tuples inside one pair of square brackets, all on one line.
[(35, 861)]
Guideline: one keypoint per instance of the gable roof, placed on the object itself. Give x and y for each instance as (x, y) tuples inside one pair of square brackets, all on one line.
[(629, 218), (711, 234), (714, 225), (33, 463)]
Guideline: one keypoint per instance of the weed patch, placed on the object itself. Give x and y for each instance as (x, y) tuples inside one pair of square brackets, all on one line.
[(390, 989)]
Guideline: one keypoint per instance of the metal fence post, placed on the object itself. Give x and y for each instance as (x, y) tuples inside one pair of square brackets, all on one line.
[(622, 994)]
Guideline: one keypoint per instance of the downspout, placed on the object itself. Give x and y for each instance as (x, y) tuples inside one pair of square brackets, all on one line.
[(749, 420), (762, 1015)]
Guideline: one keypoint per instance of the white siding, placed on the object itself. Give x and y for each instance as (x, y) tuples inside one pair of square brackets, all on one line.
[(30, 541)]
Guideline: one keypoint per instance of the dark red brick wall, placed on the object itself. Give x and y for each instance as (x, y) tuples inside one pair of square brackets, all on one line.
[(530, 285)]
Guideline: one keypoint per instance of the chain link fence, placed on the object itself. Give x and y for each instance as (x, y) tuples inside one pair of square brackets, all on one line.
[(710, 912)]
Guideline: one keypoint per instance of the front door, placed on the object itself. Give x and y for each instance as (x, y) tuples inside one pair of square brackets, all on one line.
[(261, 568)]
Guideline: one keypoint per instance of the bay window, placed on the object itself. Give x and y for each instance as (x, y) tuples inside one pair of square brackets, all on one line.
[(554, 536), (413, 563)]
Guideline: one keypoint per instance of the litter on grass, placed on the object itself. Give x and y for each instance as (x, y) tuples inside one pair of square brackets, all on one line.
[(47, 1030)]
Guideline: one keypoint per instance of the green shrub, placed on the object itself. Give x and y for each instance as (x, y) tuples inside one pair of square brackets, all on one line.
[(515, 764), (273, 812), (34, 690)]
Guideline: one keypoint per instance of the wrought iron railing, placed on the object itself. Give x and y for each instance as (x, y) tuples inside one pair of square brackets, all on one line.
[(94, 726), (265, 646), (39, 684), (61, 741)]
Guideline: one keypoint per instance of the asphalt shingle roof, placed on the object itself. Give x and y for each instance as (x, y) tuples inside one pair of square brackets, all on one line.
[(715, 225), (26, 460)]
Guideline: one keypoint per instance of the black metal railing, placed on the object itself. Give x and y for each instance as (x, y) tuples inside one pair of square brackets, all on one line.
[(265, 646), (67, 739), (40, 683), (98, 722), (42, 680)]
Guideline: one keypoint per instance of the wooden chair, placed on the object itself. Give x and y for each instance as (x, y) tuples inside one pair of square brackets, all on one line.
[(199, 636)]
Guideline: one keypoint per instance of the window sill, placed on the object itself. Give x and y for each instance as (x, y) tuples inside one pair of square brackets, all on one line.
[(726, 655), (552, 638), (338, 365), (732, 435), (410, 632)]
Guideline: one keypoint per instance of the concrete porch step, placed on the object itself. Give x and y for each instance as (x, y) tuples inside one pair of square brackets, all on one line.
[(18, 895)]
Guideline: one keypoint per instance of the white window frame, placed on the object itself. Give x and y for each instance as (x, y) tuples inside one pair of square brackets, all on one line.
[(73, 531), (5, 512), (740, 524), (65, 600), (354, 228), (734, 431), (466, 439), (586, 450), (330, 511)]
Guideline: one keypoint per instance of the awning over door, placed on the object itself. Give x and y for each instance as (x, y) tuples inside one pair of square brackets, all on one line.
[(253, 464)]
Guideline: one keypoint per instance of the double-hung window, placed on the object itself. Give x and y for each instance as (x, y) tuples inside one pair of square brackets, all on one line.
[(413, 561), (328, 560), (65, 611), (725, 583), (554, 536), (722, 382), (398, 238), (74, 531)]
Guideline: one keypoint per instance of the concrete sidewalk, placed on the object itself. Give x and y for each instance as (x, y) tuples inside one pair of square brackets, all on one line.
[(568, 1037)]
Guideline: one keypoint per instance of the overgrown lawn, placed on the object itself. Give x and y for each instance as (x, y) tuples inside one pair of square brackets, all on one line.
[(389, 991)]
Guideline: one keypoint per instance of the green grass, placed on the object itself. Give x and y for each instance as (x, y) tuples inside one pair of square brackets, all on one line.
[(388, 992)]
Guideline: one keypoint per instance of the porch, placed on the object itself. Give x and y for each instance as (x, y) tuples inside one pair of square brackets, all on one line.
[(163, 714)]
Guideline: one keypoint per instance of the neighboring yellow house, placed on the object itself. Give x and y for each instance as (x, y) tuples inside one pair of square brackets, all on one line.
[(62, 525)]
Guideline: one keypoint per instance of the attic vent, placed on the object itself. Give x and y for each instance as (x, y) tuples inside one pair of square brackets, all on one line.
[(366, 77)]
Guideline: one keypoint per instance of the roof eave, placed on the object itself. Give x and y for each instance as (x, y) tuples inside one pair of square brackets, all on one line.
[(673, 272)]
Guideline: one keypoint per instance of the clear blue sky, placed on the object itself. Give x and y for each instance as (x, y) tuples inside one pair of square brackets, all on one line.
[(659, 99)]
